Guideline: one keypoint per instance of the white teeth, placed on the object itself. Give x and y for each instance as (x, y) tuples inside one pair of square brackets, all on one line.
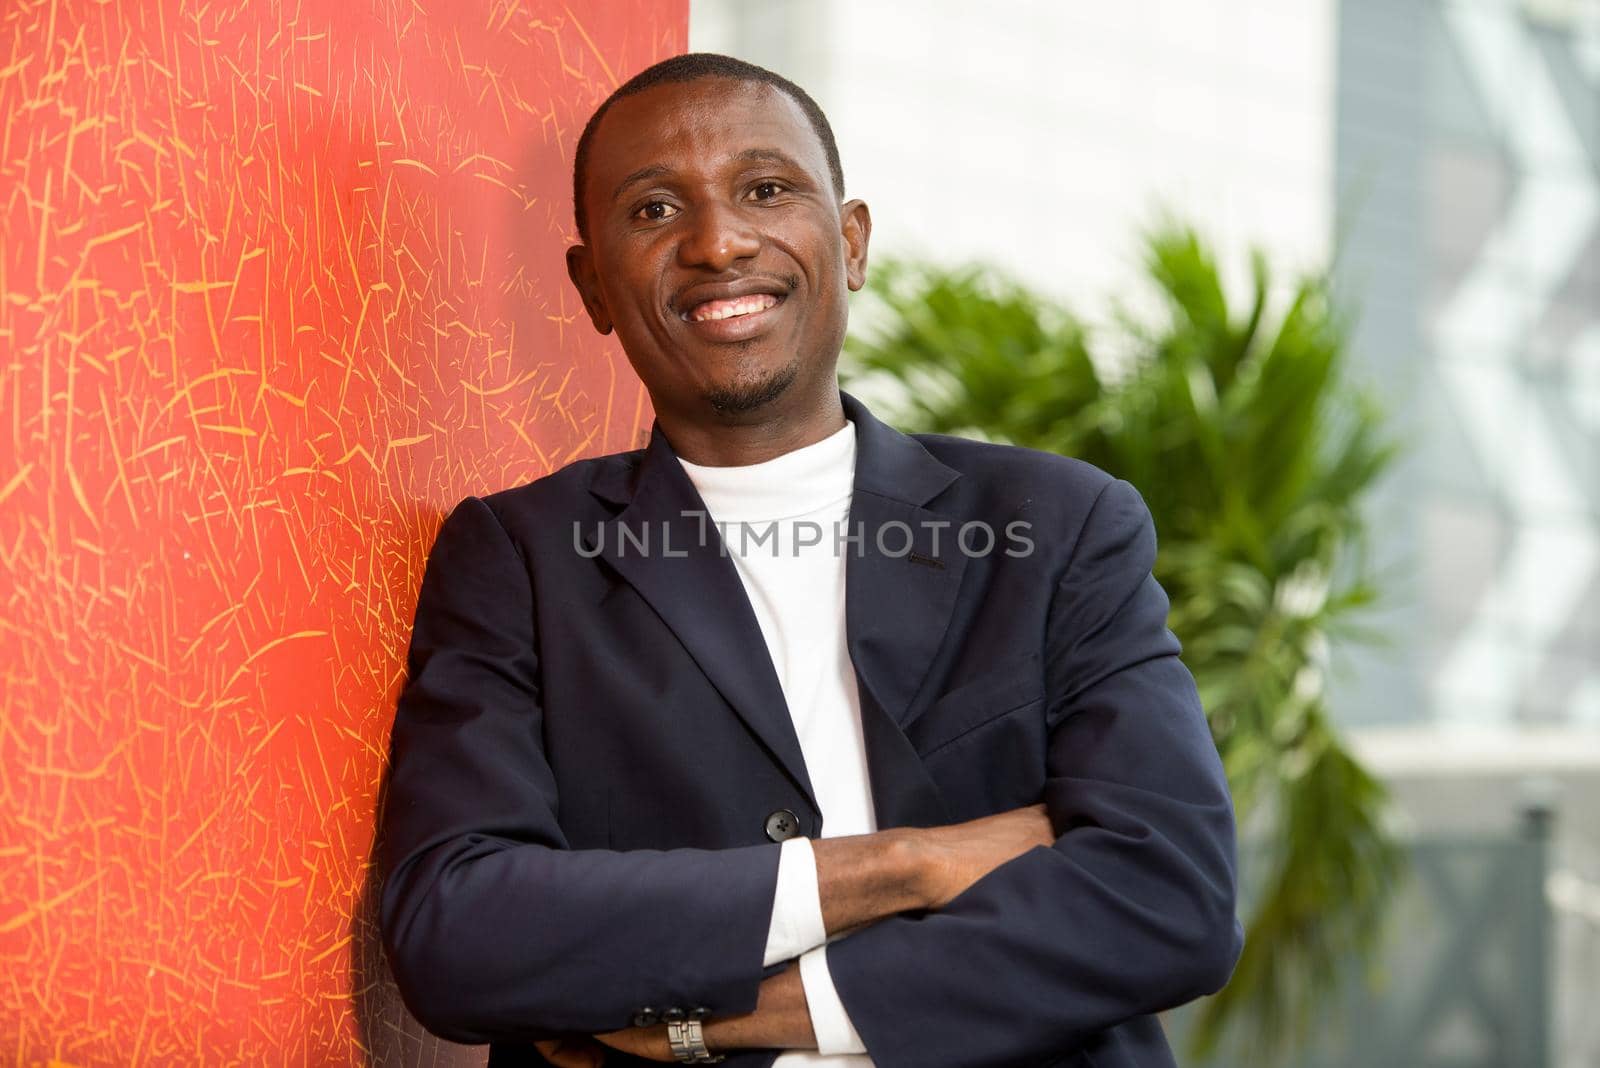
[(712, 310)]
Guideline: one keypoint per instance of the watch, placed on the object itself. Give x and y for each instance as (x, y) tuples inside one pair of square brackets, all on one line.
[(688, 1043)]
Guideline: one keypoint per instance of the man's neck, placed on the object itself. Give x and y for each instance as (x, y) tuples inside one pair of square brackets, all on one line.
[(758, 438)]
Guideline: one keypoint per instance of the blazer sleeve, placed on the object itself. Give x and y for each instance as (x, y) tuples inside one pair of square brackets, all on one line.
[(1131, 911), (494, 927)]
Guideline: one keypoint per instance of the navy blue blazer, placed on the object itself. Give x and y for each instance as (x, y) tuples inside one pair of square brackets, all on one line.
[(592, 739)]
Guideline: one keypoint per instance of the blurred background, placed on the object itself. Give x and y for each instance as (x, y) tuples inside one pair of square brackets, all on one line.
[(1438, 163), (281, 282)]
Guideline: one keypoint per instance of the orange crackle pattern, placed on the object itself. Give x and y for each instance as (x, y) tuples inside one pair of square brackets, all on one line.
[(280, 282)]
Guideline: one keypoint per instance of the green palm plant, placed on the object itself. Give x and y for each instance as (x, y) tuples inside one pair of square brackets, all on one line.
[(1253, 452)]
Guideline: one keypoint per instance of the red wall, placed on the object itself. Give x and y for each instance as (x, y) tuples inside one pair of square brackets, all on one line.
[(280, 283)]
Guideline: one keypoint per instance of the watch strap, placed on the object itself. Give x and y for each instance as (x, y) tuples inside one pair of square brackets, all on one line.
[(688, 1042)]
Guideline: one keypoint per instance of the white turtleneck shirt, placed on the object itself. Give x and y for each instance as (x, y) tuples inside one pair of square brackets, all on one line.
[(779, 521)]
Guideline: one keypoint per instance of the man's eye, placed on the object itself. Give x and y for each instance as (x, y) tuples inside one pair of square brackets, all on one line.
[(655, 211), (766, 190)]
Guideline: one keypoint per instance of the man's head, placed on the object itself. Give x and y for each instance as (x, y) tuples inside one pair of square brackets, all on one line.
[(693, 67), (716, 243)]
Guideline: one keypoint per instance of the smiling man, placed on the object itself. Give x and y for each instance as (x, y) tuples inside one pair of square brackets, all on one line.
[(790, 737), (731, 308)]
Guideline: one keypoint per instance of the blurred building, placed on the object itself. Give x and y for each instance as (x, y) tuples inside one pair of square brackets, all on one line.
[(1468, 171), (1446, 155), (1043, 137), (1449, 152)]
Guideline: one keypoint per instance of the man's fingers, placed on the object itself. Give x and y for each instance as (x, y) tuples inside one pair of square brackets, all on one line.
[(566, 1053)]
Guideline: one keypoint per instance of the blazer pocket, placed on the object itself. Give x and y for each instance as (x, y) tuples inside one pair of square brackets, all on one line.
[(1009, 688)]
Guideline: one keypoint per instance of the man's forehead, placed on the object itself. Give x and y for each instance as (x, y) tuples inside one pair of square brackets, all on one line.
[(714, 120)]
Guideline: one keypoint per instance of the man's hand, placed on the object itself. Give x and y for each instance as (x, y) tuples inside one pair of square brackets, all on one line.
[(865, 877), (957, 856), (647, 1042), (575, 1052)]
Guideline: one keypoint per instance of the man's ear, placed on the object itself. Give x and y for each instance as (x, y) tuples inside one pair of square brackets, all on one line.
[(856, 227), (580, 268)]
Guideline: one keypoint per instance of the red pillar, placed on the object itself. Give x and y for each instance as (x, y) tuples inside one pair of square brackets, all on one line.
[(280, 282)]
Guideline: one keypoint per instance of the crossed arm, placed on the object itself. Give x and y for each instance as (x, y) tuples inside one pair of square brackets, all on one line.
[(860, 879), (1121, 908)]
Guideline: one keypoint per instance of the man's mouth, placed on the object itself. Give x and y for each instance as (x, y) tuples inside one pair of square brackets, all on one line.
[(733, 308)]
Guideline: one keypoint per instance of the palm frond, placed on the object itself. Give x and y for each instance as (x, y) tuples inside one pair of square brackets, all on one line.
[(1254, 453)]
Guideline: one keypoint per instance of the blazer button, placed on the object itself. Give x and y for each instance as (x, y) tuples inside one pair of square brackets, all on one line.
[(673, 1015), (644, 1017), (782, 825), (699, 1012)]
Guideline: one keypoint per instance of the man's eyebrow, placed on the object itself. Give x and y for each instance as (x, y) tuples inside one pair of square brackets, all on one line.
[(769, 155), (643, 174), (749, 155)]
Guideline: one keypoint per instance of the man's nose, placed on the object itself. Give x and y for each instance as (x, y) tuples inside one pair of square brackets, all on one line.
[(720, 234)]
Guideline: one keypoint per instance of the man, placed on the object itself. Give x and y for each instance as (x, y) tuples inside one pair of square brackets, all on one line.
[(625, 724)]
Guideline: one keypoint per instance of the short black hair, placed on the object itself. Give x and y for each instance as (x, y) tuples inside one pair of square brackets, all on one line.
[(691, 67)]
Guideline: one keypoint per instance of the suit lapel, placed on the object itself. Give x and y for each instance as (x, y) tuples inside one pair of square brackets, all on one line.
[(901, 581), (901, 585), (681, 572)]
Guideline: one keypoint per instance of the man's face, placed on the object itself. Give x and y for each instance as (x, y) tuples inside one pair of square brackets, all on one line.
[(717, 248)]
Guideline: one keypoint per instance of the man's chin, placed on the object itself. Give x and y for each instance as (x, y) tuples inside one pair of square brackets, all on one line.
[(749, 395)]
